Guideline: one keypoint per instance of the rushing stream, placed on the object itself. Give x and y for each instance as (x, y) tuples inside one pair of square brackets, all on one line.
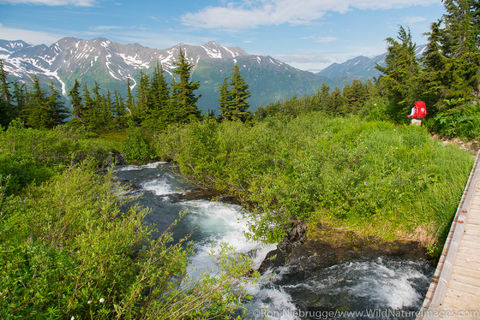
[(376, 286)]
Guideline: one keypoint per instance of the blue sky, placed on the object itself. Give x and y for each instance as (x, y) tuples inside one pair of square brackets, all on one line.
[(307, 34)]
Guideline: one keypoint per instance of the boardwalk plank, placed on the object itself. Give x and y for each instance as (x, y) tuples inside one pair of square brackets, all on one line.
[(458, 284)]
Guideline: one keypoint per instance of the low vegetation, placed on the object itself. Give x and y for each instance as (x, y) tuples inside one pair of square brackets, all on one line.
[(68, 251), (372, 177)]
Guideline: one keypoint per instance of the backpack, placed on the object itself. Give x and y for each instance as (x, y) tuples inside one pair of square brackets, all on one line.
[(421, 109)]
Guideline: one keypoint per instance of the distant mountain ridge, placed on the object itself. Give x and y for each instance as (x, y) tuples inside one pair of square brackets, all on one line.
[(361, 67), (110, 64)]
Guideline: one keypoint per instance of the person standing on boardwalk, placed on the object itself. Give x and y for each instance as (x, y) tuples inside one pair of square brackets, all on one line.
[(419, 111)]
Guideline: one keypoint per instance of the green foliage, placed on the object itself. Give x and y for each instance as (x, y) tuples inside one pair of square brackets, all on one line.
[(461, 121), (375, 109), (136, 147), (31, 155), (383, 179), (68, 251), (41, 110)]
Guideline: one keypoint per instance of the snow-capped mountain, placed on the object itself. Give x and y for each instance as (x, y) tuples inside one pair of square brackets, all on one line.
[(110, 64)]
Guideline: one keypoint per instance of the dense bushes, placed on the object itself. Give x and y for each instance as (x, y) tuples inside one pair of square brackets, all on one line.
[(68, 251), (387, 180), (462, 121), (29, 155), (136, 147)]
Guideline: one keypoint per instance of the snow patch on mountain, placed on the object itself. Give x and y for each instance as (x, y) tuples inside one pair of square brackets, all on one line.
[(213, 53), (234, 54), (133, 61)]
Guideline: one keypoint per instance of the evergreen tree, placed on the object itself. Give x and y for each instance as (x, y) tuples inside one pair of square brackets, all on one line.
[(159, 91), (183, 95), (20, 97), (5, 94), (88, 108), (401, 74), (320, 99), (36, 114), (120, 111), (76, 101), (57, 111), (224, 100), (355, 95), (336, 104), (130, 102), (96, 112), (233, 97), (239, 95), (6, 108), (460, 43), (107, 110), (142, 109)]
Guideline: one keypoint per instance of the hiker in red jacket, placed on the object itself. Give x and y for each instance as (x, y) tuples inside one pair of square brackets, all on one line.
[(419, 111)]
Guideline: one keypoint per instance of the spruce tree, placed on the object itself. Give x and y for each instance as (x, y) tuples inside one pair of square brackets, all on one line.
[(6, 108), (57, 111), (401, 74), (238, 96), (183, 91), (20, 97), (142, 109), (233, 97), (88, 108), (130, 101), (159, 91), (355, 95), (336, 105), (76, 101), (108, 110), (36, 113), (460, 43), (224, 100), (120, 111)]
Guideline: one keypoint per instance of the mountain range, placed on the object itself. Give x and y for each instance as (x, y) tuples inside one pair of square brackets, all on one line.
[(110, 64), (361, 67)]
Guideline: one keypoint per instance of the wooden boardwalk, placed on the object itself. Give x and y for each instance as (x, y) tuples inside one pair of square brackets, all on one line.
[(455, 289)]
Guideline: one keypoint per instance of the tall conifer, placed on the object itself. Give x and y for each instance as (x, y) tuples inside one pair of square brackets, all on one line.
[(183, 90)]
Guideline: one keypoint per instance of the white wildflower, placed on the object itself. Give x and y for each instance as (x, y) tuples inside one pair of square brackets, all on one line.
[(101, 300)]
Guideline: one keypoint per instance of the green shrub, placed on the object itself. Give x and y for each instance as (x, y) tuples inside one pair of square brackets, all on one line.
[(386, 180), (31, 155), (68, 251), (462, 121), (375, 109), (136, 147)]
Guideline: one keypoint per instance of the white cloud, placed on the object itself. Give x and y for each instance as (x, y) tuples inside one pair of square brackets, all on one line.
[(413, 20), (107, 28), (308, 61), (30, 36), (248, 14), (78, 3), (320, 39)]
